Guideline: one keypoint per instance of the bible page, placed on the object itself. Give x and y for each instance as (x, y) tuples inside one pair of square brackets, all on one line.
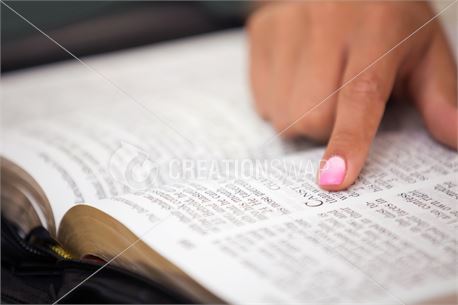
[(275, 237)]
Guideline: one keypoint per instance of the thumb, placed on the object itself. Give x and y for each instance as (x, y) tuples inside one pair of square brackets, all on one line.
[(433, 86)]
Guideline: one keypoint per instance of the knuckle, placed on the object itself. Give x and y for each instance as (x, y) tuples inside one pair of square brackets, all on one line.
[(366, 86)]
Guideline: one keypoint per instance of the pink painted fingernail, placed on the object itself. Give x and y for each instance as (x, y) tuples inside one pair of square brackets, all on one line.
[(333, 171)]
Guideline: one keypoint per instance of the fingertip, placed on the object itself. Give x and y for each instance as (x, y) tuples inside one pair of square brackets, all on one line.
[(338, 171), (332, 173)]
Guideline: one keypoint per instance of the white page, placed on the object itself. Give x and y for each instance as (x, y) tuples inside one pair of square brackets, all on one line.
[(260, 240), (78, 133)]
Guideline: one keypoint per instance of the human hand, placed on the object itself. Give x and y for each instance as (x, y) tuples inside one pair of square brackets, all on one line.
[(326, 70)]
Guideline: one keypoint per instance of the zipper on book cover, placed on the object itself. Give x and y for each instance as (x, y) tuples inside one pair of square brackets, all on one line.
[(41, 239), (37, 242), (11, 236)]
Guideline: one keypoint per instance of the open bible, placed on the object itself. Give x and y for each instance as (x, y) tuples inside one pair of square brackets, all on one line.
[(155, 157)]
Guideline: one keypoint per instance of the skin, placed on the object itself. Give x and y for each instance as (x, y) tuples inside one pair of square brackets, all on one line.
[(301, 52)]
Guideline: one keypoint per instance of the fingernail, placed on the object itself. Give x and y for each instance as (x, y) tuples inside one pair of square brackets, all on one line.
[(333, 171)]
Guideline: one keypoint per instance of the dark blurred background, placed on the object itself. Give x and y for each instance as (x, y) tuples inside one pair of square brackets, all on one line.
[(92, 27)]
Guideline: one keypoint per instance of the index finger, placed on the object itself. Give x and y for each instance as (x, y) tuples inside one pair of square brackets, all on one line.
[(360, 107)]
